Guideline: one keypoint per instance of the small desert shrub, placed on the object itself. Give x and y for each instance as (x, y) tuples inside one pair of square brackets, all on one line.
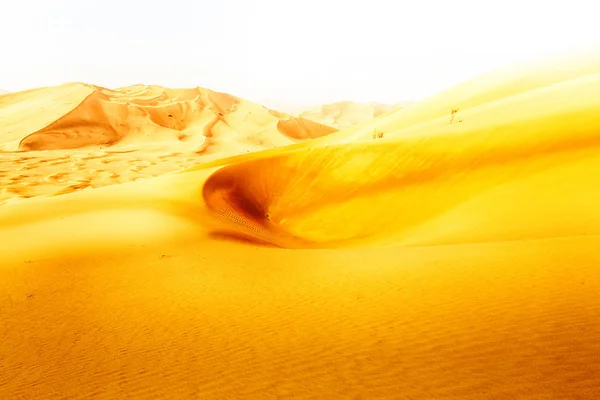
[(453, 113), (377, 134)]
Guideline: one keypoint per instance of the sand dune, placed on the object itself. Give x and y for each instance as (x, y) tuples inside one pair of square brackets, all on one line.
[(115, 136), (548, 123), (345, 113), (487, 88), (453, 257), (78, 115), (341, 114)]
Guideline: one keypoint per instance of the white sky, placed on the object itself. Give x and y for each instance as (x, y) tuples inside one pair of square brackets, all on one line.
[(302, 51)]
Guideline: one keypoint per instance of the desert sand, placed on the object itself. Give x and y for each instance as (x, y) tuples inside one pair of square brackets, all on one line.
[(447, 250)]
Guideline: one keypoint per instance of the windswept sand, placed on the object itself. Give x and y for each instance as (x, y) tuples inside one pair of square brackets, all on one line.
[(452, 258), (56, 140)]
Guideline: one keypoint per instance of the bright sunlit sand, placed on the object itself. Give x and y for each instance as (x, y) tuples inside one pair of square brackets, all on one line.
[(171, 240), (455, 256)]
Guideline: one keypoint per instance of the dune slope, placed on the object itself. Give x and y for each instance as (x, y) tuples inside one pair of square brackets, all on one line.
[(442, 260)]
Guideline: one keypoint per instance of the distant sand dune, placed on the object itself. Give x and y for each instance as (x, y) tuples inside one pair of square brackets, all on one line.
[(345, 113), (341, 114), (99, 117), (76, 126), (302, 128)]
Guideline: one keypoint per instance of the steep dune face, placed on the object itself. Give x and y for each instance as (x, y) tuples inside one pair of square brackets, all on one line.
[(93, 133), (27, 112)]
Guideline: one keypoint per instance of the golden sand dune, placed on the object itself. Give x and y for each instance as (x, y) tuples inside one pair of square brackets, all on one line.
[(409, 171), (77, 115), (346, 113), (450, 105), (127, 134), (447, 260)]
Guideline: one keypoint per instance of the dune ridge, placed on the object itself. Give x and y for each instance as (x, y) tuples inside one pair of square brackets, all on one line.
[(453, 257)]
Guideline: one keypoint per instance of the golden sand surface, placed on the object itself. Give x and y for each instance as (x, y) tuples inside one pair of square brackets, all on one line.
[(454, 256)]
